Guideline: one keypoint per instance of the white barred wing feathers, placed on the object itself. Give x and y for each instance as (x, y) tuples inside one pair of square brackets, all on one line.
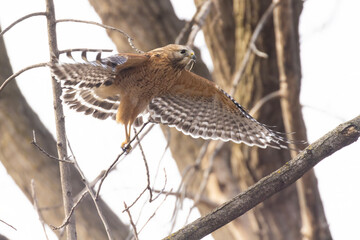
[(197, 107), (86, 85)]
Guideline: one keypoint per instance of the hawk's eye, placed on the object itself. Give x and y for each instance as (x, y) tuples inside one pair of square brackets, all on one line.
[(183, 51)]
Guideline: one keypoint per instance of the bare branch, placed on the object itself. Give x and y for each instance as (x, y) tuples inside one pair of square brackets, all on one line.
[(65, 172), (71, 212), (206, 176), (202, 199), (33, 142), (154, 213), (130, 39), (163, 189), (92, 194), (22, 19), (140, 195), (333, 141), (117, 159), (8, 224), (168, 137), (33, 194), (146, 166), (131, 221), (237, 76), (20, 72)]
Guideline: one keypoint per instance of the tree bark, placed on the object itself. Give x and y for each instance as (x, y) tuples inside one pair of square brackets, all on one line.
[(24, 162), (227, 31)]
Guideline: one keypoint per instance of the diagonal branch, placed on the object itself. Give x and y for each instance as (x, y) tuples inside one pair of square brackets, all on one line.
[(333, 141), (12, 77), (22, 19), (129, 39)]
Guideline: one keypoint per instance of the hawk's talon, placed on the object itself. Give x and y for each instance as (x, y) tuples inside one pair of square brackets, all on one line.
[(126, 147)]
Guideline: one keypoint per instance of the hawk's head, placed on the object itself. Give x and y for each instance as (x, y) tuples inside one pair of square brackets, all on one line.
[(180, 56)]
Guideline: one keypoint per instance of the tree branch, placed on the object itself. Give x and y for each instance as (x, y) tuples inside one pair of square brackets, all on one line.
[(129, 39), (237, 76), (12, 77), (22, 19), (65, 171), (333, 141)]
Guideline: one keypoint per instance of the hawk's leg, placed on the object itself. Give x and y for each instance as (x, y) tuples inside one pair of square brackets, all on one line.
[(125, 145)]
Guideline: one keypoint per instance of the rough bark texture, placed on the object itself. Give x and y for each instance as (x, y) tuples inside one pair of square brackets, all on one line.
[(24, 162), (228, 29), (343, 135)]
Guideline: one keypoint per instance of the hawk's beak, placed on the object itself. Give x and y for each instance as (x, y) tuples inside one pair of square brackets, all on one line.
[(193, 57)]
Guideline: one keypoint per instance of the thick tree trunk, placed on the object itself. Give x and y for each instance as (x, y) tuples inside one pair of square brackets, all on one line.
[(227, 30), (24, 162)]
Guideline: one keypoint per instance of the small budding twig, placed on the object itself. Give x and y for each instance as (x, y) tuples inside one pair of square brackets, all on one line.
[(133, 203), (163, 189), (34, 142), (154, 213), (131, 222), (36, 206), (91, 192), (146, 166), (130, 39), (71, 212), (22, 19), (205, 179), (12, 77)]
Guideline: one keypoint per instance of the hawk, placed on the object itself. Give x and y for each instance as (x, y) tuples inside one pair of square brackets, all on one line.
[(126, 85)]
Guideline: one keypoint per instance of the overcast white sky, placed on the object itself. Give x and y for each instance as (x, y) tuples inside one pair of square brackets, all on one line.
[(330, 95)]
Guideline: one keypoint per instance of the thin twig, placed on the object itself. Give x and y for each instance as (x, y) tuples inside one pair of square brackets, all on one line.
[(237, 76), (34, 142), (131, 222), (133, 203), (146, 166), (36, 206), (188, 171), (8, 224), (163, 189), (20, 72), (168, 137), (205, 179), (71, 212), (130, 40), (154, 213), (92, 194), (202, 199), (117, 159), (22, 19)]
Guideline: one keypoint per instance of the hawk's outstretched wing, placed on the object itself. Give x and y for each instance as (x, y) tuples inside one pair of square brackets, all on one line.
[(86, 85), (199, 108)]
